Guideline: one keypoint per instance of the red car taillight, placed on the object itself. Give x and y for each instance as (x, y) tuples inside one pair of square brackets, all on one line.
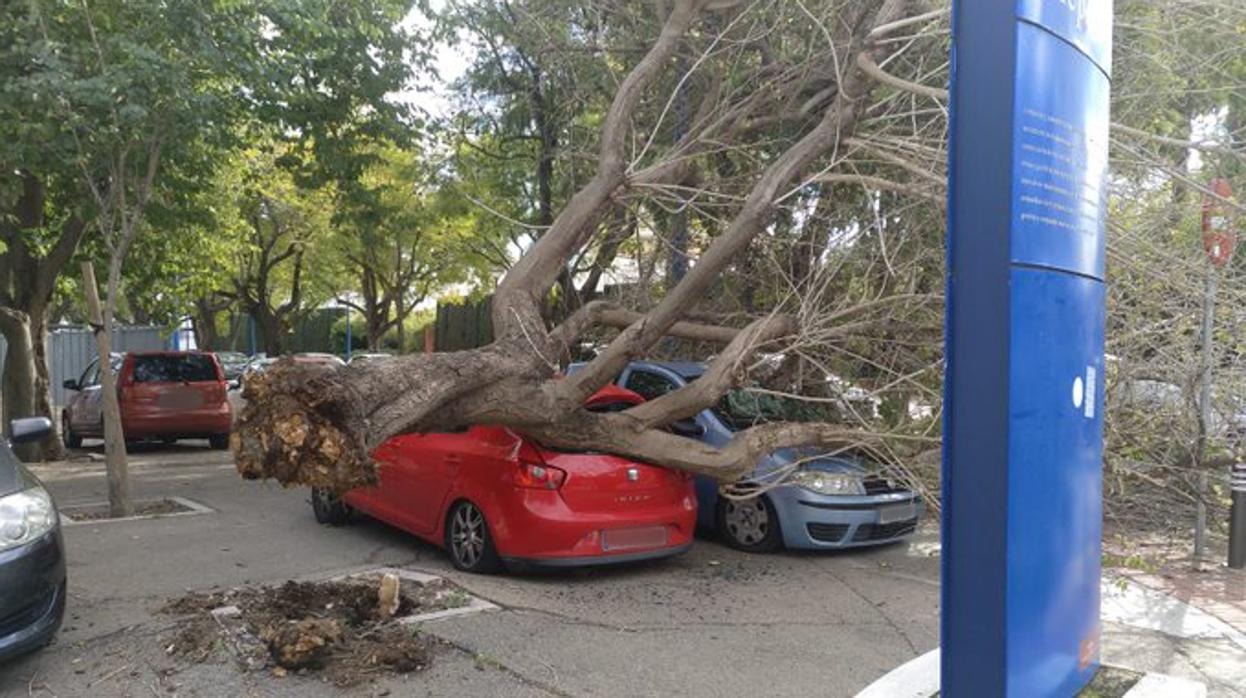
[(539, 476)]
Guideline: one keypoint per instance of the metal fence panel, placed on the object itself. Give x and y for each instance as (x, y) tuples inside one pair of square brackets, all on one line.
[(72, 347), (465, 326)]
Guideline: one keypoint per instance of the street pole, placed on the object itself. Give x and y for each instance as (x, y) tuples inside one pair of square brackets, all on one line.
[(348, 337), (1237, 518), (1204, 411)]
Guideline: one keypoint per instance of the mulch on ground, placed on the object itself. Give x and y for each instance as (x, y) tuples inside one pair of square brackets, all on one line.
[(335, 629), (99, 512)]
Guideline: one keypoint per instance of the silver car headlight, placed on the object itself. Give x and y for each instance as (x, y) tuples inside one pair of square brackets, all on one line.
[(824, 482), (25, 516)]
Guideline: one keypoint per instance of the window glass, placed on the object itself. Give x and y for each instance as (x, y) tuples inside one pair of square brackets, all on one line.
[(612, 407), (741, 408), (189, 368), (91, 375), (649, 385)]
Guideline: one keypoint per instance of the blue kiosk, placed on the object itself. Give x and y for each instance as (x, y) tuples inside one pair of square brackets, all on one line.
[(1023, 430)]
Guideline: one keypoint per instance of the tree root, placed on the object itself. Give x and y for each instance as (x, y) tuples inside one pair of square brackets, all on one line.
[(300, 426)]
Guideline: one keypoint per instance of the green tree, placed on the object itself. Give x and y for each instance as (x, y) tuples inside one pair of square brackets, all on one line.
[(100, 102), (406, 240)]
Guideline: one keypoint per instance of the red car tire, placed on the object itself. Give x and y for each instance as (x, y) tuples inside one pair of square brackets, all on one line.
[(468, 540)]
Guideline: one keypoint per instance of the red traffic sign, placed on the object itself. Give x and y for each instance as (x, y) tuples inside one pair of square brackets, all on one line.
[(1219, 239)]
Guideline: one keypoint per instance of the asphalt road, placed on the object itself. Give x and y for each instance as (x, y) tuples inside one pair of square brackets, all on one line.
[(712, 622)]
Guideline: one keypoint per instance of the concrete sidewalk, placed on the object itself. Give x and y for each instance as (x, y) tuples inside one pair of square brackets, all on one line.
[(713, 622), (1214, 588)]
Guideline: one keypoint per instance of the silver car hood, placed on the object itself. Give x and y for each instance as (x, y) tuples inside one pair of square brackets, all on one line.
[(809, 458)]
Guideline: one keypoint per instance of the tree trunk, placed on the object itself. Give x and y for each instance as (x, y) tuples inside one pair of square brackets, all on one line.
[(119, 502), (19, 375), (52, 446), (203, 324), (268, 327), (376, 321)]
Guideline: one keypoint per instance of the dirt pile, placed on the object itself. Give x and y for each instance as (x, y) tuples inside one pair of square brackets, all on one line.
[(338, 628)]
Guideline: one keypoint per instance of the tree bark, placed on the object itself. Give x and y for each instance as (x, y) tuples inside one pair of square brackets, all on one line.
[(19, 375), (203, 323), (270, 329), (27, 283), (51, 446), (119, 502)]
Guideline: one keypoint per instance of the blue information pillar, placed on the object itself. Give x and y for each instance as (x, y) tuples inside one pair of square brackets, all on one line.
[(1023, 431)]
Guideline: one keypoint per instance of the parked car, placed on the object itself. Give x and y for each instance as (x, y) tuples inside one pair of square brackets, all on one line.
[(831, 502), (166, 395), (233, 363), (316, 358), (495, 499), (369, 356), (32, 554)]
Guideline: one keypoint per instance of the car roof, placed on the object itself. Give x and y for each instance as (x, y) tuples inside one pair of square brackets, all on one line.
[(170, 353), (688, 370), (685, 369), (309, 355)]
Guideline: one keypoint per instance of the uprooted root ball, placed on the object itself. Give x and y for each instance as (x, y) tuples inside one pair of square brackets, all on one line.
[(296, 428), (295, 644), (334, 628)]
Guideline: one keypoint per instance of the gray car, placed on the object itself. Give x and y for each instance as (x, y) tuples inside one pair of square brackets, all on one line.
[(32, 553), (829, 502)]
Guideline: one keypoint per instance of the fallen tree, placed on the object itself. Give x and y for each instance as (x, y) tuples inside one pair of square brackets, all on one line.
[(312, 427)]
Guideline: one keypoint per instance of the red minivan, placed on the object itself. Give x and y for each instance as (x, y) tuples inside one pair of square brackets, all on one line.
[(167, 395)]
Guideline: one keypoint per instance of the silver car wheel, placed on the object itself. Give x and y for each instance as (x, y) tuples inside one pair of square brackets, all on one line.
[(747, 520), (467, 534)]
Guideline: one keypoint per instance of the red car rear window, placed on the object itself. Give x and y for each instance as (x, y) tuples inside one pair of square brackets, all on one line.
[(189, 368)]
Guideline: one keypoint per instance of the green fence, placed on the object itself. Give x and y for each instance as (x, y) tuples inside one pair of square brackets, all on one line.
[(465, 326)]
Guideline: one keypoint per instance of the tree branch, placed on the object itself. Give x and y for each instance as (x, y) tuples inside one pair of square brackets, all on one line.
[(838, 122), (726, 371), (516, 303)]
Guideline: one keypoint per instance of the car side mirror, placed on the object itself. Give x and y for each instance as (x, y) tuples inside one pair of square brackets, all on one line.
[(29, 429), (71, 384), (687, 427)]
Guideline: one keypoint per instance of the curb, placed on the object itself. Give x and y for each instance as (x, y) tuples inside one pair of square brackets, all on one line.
[(194, 509), (919, 678)]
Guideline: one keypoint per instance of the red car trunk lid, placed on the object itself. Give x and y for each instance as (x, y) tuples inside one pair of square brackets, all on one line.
[(599, 482)]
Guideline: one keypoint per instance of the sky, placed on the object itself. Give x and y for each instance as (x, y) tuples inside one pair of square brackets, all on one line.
[(450, 61)]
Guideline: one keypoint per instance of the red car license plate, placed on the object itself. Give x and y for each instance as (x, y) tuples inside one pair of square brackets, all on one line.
[(186, 399), (633, 538)]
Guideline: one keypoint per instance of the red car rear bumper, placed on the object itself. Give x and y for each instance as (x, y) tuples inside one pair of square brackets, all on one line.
[(536, 528), (208, 421)]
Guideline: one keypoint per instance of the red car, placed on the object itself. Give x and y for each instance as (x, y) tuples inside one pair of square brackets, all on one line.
[(493, 498), (166, 395)]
